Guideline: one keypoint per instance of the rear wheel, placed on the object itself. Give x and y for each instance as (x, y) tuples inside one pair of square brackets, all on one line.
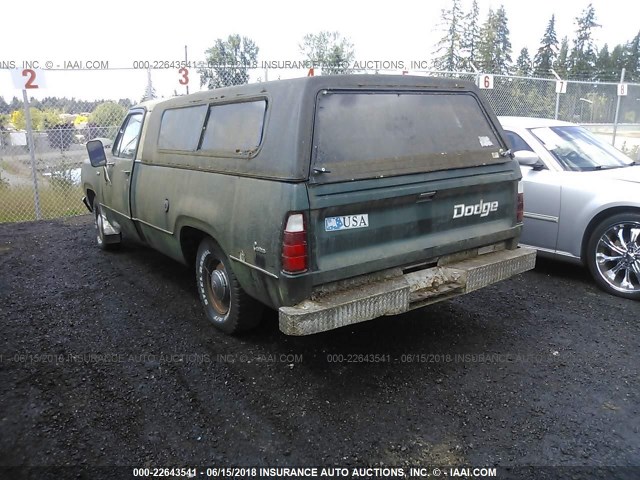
[(613, 255), (104, 242), (226, 304)]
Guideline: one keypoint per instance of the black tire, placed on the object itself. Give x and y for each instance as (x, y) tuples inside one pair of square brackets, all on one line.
[(225, 303), (100, 235), (613, 255)]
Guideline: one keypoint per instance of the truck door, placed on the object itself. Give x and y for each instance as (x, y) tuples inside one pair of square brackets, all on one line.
[(120, 164)]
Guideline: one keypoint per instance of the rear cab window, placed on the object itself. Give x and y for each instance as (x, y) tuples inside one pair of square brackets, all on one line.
[(380, 133)]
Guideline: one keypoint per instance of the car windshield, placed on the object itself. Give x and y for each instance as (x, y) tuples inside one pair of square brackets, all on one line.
[(578, 150)]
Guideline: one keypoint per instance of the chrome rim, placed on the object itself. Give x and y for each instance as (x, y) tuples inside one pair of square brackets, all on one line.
[(618, 257), (218, 289)]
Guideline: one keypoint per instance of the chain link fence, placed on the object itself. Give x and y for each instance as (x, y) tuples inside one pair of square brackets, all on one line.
[(42, 150), (40, 166)]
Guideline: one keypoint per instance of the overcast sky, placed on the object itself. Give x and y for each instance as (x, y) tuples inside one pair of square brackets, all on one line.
[(122, 32)]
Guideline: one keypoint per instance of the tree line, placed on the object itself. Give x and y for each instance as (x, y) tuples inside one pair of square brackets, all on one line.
[(48, 113), (466, 43), (63, 104), (230, 61)]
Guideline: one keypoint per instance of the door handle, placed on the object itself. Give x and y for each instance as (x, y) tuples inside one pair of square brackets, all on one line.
[(127, 172), (426, 197)]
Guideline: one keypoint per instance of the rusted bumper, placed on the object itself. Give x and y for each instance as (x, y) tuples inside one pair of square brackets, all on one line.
[(398, 292)]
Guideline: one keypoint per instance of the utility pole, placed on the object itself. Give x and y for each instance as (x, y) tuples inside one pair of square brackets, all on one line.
[(186, 62)]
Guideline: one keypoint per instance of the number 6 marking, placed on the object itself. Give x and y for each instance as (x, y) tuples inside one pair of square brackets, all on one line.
[(184, 80), (31, 74)]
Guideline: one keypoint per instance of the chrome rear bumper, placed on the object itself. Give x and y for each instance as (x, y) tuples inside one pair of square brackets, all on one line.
[(403, 292)]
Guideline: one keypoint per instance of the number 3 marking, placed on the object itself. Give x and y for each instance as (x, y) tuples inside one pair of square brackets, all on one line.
[(31, 78), (184, 79)]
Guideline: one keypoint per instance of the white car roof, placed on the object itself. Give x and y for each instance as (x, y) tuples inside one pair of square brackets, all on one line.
[(531, 122)]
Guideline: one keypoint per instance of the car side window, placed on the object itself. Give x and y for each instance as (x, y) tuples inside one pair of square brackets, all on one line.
[(516, 143), (126, 142)]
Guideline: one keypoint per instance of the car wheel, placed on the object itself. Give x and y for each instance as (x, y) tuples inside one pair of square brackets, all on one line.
[(613, 255), (101, 238), (226, 304)]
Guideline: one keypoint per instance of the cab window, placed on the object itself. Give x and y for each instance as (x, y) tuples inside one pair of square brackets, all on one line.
[(234, 128), (126, 142), (180, 128)]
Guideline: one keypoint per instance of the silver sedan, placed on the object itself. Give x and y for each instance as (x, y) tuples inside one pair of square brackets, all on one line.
[(582, 200)]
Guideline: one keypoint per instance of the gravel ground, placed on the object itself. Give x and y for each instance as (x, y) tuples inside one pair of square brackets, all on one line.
[(107, 359)]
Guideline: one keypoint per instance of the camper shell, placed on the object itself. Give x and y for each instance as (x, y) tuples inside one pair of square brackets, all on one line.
[(335, 199)]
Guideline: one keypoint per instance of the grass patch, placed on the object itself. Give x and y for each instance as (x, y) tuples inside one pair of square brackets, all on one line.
[(17, 203), (10, 167)]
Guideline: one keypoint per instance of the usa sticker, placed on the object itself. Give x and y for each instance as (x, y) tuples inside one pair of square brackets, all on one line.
[(485, 141), (346, 222)]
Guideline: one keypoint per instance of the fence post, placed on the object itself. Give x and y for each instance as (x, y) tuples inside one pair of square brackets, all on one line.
[(32, 153), (615, 120), (558, 79)]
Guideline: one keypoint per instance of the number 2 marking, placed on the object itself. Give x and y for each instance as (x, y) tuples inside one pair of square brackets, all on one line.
[(184, 79), (31, 78)]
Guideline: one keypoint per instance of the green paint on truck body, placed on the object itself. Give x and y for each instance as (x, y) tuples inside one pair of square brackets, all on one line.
[(380, 140)]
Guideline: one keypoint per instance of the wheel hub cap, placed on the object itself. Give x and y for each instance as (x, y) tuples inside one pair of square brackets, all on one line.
[(219, 285)]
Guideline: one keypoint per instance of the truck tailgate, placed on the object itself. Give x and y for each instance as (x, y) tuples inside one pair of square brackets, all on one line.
[(363, 226)]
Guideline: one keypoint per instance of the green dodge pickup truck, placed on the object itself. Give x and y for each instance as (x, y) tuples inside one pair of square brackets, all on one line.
[(333, 199)]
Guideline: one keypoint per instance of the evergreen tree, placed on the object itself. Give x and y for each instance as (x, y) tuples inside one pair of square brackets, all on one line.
[(632, 60), (488, 40), (503, 53), (149, 91), (494, 48), (471, 36), (523, 63), (4, 106), (561, 64), (125, 102), (15, 104), (583, 55), (618, 59), (546, 55), (449, 47), (604, 68)]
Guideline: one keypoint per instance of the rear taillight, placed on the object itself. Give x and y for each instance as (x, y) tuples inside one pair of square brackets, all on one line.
[(520, 200), (294, 245)]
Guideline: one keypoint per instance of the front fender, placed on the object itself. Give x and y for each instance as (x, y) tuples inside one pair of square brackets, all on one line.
[(90, 178)]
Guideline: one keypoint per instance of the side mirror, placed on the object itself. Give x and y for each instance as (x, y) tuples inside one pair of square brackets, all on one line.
[(97, 157), (528, 159)]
